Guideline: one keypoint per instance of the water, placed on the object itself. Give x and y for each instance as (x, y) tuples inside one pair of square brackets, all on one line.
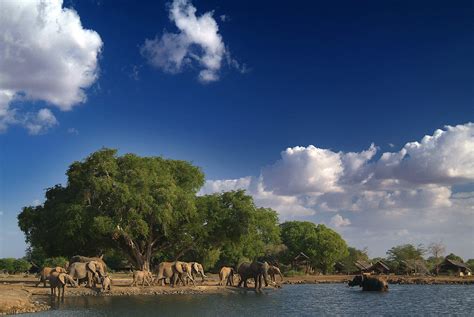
[(291, 300)]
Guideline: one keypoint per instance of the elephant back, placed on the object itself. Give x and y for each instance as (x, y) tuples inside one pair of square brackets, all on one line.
[(244, 269)]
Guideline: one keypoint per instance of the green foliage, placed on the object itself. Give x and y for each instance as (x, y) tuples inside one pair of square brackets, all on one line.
[(13, 266), (231, 227), (7, 265), (470, 264), (454, 257), (322, 245), (404, 257), (55, 261), (146, 208), (353, 256), (136, 204)]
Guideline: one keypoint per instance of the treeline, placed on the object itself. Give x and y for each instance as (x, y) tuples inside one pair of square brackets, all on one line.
[(138, 211)]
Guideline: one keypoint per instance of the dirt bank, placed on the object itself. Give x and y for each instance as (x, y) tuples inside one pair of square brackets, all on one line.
[(391, 279), (19, 294)]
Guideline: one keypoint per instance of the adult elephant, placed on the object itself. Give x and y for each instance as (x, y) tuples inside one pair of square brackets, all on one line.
[(255, 270), (226, 274), (369, 283), (273, 271), (46, 271), (173, 271), (90, 272), (85, 259), (197, 269)]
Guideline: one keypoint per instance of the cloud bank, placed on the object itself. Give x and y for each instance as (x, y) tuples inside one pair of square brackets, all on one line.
[(365, 194), (196, 44), (47, 55)]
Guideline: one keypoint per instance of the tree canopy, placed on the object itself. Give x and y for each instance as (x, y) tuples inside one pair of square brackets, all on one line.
[(322, 245), (146, 207)]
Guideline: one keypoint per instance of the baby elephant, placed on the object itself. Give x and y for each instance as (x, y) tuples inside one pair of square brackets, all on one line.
[(142, 277), (106, 283), (226, 275), (369, 283), (58, 281)]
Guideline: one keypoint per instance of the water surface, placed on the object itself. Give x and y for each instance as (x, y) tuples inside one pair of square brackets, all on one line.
[(291, 300)]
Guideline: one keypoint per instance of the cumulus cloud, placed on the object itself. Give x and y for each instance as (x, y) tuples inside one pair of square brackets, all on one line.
[(304, 170), (197, 42), (446, 157), (410, 191), (47, 55)]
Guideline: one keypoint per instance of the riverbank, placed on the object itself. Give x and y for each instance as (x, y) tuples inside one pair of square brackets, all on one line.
[(18, 294)]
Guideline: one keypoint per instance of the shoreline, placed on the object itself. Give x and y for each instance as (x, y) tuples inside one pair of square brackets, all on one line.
[(19, 295)]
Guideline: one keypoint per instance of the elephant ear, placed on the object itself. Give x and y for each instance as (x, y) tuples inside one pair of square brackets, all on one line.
[(62, 278), (91, 266)]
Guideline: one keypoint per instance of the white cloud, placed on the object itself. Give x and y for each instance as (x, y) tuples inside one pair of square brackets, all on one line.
[(338, 221), (40, 122), (45, 54), (446, 157), (225, 185), (406, 196), (198, 40), (303, 170)]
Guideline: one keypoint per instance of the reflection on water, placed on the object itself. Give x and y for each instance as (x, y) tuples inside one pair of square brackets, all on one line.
[(291, 300)]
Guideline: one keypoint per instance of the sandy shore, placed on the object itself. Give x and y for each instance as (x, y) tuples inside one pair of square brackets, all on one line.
[(18, 294)]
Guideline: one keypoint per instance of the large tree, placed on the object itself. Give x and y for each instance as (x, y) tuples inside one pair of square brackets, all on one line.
[(137, 204), (321, 244), (145, 208)]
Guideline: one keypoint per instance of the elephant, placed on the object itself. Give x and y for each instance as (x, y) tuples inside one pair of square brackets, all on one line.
[(226, 274), (46, 271), (58, 281), (173, 271), (142, 277), (274, 270), (255, 270), (369, 283), (198, 270), (106, 283), (90, 271), (85, 259)]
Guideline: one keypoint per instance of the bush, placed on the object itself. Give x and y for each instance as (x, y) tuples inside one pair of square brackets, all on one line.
[(55, 261), (13, 266)]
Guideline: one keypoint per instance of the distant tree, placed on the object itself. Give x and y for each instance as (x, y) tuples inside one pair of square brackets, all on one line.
[(12, 265), (470, 264), (436, 249), (21, 266), (454, 257), (323, 246), (400, 256), (353, 256), (7, 265)]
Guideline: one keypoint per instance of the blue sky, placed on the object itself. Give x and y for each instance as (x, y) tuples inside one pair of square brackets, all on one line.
[(337, 75)]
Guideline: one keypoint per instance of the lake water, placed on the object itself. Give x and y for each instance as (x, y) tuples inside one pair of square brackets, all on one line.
[(291, 300)]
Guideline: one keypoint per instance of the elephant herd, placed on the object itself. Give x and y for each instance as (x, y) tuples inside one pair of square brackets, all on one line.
[(79, 270), (93, 271)]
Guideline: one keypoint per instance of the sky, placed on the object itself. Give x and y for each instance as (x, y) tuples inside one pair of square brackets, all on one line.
[(354, 114)]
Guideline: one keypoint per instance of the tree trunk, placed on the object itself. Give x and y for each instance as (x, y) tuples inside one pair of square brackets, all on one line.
[(140, 260)]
